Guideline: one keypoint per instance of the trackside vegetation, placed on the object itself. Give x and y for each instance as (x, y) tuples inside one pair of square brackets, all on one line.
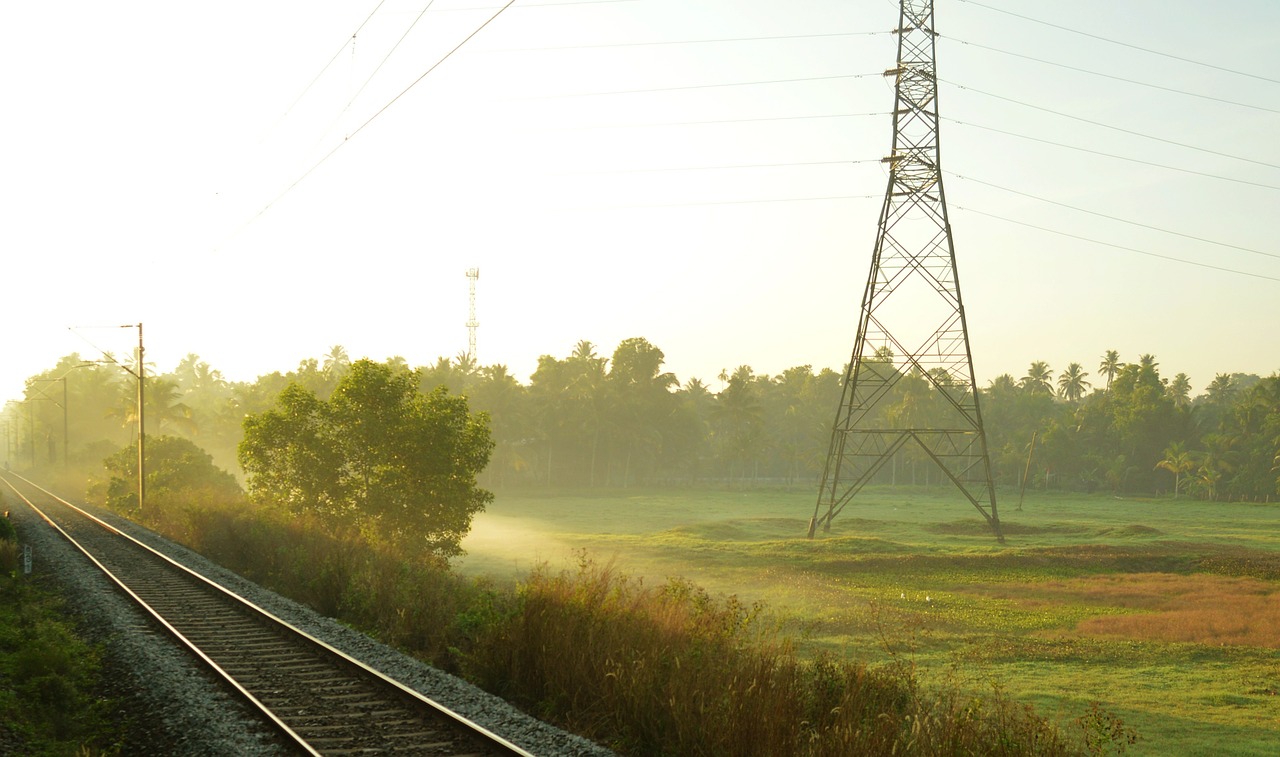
[(646, 670), (1130, 608), (48, 674)]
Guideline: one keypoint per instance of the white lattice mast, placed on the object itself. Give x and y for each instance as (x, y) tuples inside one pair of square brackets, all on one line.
[(473, 274), (912, 323)]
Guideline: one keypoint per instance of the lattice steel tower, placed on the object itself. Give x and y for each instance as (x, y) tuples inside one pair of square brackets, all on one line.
[(910, 379), (473, 275)]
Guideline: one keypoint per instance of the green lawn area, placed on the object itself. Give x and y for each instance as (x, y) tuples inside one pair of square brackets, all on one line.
[(1167, 613)]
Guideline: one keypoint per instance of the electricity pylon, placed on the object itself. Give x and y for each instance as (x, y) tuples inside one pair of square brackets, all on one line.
[(910, 378)]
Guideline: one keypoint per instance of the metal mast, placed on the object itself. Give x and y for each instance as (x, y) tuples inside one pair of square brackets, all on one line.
[(472, 324), (910, 378)]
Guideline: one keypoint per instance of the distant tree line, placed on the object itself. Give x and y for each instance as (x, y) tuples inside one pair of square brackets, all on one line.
[(589, 420)]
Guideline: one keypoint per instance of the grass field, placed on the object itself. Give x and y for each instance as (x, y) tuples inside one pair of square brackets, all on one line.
[(1167, 613)]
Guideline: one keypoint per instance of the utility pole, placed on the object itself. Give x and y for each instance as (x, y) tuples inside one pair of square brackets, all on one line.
[(140, 375), (911, 325), (142, 426)]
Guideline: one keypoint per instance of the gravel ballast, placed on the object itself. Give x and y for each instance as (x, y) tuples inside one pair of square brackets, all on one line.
[(178, 708)]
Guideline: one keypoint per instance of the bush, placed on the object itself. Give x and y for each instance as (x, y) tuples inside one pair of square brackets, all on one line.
[(47, 673)]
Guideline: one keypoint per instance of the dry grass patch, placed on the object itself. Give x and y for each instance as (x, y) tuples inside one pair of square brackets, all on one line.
[(1198, 608)]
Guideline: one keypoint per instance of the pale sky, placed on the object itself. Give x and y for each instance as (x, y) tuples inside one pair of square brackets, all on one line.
[(702, 173)]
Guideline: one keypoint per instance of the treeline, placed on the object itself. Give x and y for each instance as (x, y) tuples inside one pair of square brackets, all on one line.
[(590, 420)]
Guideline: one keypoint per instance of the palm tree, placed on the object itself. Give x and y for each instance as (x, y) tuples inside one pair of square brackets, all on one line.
[(1038, 379), (1072, 384), (1177, 460), (1109, 366), (1180, 390), (1222, 390), (1218, 460), (336, 362)]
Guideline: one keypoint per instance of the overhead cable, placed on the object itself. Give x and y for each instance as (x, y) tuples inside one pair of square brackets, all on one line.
[(1124, 44), (718, 121), (1113, 76), (654, 43), (1118, 246), (374, 117), (1113, 155), (701, 86), (1113, 128), (1114, 218), (326, 66)]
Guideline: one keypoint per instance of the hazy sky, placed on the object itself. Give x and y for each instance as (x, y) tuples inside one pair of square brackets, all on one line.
[(702, 173)]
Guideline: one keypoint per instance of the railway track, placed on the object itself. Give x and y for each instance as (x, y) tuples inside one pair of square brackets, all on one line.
[(320, 700)]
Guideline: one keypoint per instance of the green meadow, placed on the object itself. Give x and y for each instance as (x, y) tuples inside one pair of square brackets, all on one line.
[(1165, 613)]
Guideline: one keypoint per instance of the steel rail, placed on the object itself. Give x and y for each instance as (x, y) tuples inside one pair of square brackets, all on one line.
[(495, 741)]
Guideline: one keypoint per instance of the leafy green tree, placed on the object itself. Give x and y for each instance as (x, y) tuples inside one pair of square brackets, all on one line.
[(688, 444), (500, 396), (379, 454), (641, 404), (293, 460), (1248, 442), (177, 470), (1144, 420), (737, 421)]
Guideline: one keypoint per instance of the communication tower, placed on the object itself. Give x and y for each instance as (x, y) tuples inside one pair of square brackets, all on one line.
[(472, 324), (911, 323)]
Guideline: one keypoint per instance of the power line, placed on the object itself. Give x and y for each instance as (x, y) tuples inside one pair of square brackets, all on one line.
[(683, 42), (1123, 44), (702, 86), (1113, 155), (378, 113), (1118, 246), (726, 202), (378, 68), (326, 66), (1114, 218), (1113, 77), (1114, 128), (718, 168), (719, 121)]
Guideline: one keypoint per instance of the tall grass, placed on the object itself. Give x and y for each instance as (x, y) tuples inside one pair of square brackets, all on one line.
[(647, 670), (670, 670)]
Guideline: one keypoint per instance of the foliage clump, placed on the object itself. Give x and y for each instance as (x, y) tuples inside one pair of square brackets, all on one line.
[(378, 455), (47, 673), (176, 470)]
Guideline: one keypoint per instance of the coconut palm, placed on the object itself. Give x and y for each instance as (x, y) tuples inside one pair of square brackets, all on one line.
[(1177, 460), (337, 362), (1038, 379), (1180, 390), (1109, 366), (1072, 383)]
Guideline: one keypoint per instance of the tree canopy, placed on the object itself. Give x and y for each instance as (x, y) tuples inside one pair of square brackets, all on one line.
[(377, 454), (591, 417)]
